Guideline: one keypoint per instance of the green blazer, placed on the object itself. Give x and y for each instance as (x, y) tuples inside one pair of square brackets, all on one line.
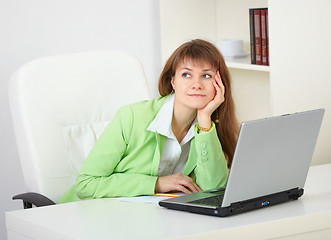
[(125, 159)]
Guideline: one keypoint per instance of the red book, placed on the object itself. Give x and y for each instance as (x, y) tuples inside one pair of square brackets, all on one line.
[(257, 25), (264, 37), (252, 35), (267, 29)]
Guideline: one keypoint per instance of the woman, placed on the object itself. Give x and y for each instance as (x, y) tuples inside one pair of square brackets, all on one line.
[(182, 141)]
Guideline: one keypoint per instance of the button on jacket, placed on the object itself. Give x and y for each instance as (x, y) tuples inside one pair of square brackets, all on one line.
[(125, 160)]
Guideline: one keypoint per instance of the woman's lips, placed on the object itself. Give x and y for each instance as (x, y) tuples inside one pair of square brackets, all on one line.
[(196, 95)]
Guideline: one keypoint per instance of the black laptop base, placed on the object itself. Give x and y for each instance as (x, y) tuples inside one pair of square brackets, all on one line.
[(239, 207)]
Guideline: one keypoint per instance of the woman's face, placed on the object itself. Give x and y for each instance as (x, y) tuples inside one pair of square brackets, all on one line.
[(193, 84)]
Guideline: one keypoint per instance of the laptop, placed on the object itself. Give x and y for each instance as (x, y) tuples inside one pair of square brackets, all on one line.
[(270, 166)]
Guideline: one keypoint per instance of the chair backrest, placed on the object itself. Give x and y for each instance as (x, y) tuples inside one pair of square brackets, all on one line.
[(60, 105)]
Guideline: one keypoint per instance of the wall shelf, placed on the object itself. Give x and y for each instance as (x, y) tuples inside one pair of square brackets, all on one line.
[(245, 64)]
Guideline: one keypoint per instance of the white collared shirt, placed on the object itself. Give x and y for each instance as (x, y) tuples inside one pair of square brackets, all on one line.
[(174, 155)]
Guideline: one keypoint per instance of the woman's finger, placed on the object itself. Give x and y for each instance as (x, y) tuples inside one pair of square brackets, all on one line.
[(197, 186), (190, 184), (183, 189), (219, 97), (220, 82)]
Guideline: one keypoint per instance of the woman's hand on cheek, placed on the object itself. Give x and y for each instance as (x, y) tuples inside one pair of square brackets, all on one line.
[(206, 112)]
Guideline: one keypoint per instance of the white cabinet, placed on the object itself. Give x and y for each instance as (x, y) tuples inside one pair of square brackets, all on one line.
[(298, 78)]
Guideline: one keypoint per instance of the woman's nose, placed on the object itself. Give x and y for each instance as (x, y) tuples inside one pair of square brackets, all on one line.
[(196, 83)]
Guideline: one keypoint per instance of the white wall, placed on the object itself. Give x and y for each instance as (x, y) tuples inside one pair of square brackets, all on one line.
[(36, 28), (300, 58), (189, 20)]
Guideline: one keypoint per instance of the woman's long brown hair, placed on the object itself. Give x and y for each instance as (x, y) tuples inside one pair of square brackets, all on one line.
[(201, 51)]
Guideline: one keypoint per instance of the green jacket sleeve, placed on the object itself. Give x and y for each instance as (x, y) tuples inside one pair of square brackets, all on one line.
[(211, 166), (98, 177)]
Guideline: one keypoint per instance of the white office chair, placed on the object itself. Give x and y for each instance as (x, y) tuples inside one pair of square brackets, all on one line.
[(60, 105)]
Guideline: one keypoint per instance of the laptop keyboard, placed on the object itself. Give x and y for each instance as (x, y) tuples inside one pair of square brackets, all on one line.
[(210, 201)]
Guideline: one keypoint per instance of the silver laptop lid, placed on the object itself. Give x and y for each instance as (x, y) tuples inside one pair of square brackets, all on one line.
[(272, 155)]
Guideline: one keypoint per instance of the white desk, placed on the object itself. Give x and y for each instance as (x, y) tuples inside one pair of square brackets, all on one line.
[(307, 218)]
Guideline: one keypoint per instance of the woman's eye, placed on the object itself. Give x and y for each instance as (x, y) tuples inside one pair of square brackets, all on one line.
[(207, 76), (186, 75)]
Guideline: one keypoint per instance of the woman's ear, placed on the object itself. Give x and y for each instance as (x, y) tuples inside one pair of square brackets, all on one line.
[(172, 83)]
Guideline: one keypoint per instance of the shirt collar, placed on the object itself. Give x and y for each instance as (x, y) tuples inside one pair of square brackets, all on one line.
[(162, 122)]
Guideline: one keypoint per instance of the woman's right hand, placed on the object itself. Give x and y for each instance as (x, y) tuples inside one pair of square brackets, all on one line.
[(176, 182)]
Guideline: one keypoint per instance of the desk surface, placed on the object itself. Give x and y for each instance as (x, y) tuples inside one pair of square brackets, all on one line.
[(111, 218)]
